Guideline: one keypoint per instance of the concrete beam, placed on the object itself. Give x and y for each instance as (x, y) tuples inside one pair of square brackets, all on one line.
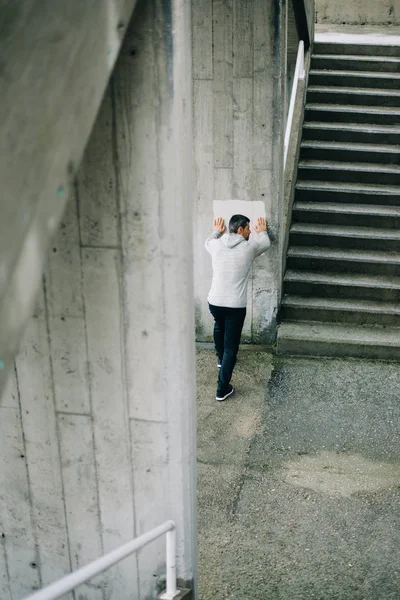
[(55, 64)]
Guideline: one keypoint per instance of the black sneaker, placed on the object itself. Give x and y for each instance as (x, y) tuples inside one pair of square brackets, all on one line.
[(221, 397)]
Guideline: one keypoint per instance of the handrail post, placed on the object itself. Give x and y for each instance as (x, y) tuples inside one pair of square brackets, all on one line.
[(171, 563), (171, 591)]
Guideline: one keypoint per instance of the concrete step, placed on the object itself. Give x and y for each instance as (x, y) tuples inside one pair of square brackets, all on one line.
[(364, 96), (349, 172), (342, 113), (351, 132), (342, 285), (341, 213), (333, 339), (358, 79), (333, 191), (341, 236), (340, 310), (364, 49), (350, 151), (343, 260), (356, 62)]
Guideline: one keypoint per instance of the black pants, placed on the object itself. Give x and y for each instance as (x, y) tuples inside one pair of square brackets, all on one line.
[(227, 332)]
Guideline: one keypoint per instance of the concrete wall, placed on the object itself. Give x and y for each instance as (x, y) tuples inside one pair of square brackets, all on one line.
[(97, 427), (309, 7), (358, 12), (45, 122), (292, 46), (238, 69)]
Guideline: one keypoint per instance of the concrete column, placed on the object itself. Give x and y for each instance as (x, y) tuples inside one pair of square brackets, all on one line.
[(99, 416), (154, 151)]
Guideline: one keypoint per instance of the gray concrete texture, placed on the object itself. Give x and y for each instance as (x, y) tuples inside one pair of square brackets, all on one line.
[(97, 432), (238, 79), (299, 480), (45, 122), (358, 12)]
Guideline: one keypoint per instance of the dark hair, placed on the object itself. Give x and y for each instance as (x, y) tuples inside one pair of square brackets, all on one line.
[(238, 221)]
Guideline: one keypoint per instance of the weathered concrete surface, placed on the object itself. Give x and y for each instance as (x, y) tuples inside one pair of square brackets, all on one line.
[(55, 66), (299, 480), (239, 55), (358, 34), (97, 426), (309, 6), (362, 12)]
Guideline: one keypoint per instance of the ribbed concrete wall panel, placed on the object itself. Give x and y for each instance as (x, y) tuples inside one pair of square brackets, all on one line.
[(98, 432), (238, 120)]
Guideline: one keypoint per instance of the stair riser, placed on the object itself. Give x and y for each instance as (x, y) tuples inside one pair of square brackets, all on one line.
[(370, 114), (330, 116), (338, 135), (379, 83), (356, 49), (338, 316), (347, 64), (343, 266), (327, 241), (354, 220), (336, 154), (321, 196), (332, 97), (324, 290), (313, 348), (349, 176)]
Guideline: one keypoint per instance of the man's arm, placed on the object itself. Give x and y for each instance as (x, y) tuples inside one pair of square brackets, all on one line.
[(261, 242), (219, 228)]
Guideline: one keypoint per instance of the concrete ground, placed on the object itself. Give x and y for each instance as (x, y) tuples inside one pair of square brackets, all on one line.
[(299, 480)]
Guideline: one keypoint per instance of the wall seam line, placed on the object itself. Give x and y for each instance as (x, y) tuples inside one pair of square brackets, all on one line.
[(87, 372), (53, 389), (122, 297), (72, 414)]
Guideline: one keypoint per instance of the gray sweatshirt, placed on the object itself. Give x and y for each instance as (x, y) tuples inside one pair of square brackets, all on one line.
[(232, 257)]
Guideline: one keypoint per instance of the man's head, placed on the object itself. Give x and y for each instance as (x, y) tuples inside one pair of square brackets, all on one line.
[(241, 225)]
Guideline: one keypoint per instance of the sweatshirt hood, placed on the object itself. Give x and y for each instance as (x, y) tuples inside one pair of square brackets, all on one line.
[(232, 239)]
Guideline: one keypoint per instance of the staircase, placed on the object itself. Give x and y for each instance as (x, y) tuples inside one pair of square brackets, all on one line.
[(342, 283)]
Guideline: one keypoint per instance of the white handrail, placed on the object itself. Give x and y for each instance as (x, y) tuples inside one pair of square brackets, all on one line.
[(298, 74), (70, 582)]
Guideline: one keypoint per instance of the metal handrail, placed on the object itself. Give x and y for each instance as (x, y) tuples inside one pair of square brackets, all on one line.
[(298, 74), (70, 582)]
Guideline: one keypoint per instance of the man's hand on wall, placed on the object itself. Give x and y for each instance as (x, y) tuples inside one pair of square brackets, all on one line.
[(219, 225), (262, 225)]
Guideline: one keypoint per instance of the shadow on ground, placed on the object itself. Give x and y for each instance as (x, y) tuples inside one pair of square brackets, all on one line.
[(299, 480)]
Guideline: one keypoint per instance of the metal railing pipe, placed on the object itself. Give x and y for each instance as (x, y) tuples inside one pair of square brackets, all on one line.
[(70, 582)]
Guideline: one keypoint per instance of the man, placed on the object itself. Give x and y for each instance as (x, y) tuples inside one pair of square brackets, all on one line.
[(232, 256)]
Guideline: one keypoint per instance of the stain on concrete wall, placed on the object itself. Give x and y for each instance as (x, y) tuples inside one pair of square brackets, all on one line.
[(358, 12), (237, 128), (95, 440)]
